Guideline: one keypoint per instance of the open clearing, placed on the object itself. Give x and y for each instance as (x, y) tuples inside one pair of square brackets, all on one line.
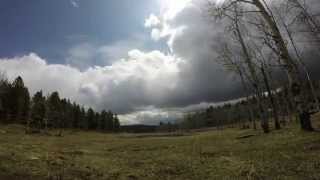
[(285, 154)]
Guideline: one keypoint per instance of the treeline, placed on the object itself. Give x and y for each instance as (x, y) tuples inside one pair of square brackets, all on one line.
[(245, 113), (49, 112)]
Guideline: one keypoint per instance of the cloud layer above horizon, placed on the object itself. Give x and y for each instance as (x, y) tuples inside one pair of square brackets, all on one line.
[(142, 86)]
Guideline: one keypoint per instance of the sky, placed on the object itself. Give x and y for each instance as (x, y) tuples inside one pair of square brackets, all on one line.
[(147, 60), (49, 27)]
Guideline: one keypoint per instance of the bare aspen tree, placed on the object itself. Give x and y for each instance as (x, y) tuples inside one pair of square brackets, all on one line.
[(235, 16), (293, 43), (271, 97), (229, 62), (291, 66), (262, 9), (265, 69)]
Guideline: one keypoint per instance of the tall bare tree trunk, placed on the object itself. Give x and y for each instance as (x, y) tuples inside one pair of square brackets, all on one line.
[(248, 105), (272, 100), (282, 106), (291, 66), (256, 84), (304, 66), (291, 108)]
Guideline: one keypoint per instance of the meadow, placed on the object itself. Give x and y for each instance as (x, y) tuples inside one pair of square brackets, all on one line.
[(216, 154)]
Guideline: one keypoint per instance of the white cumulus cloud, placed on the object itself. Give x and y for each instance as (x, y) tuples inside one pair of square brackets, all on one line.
[(152, 21), (139, 80)]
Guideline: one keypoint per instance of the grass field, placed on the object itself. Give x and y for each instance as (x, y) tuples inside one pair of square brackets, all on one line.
[(285, 154)]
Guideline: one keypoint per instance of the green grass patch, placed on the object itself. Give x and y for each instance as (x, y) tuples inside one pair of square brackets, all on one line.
[(285, 154)]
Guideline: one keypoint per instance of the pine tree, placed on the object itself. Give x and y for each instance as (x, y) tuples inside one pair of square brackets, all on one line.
[(5, 100), (54, 110), (64, 116), (109, 121), (90, 118), (38, 111), (103, 120), (83, 119), (96, 123), (77, 116), (20, 101)]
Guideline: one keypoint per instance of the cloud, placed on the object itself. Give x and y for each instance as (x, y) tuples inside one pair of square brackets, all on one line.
[(192, 38), (119, 49), (155, 34), (151, 116), (139, 80), (82, 55), (39, 75), (85, 54), (74, 3), (152, 21), (169, 9)]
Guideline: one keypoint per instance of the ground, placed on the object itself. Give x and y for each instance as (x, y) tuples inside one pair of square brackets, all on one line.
[(229, 154)]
